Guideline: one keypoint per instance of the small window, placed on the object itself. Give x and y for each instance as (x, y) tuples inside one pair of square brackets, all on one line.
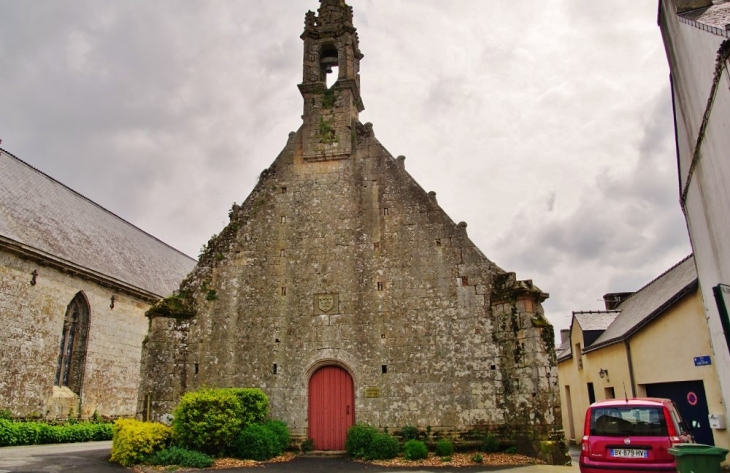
[(283, 291), (383, 369), (283, 189), (376, 246), (274, 368), (282, 252), (385, 211), (283, 219), (438, 243), (196, 368), (380, 286)]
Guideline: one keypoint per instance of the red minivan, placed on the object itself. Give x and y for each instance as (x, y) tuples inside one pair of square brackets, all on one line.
[(631, 436)]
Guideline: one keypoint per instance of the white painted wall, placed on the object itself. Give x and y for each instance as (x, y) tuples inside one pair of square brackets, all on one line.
[(692, 54)]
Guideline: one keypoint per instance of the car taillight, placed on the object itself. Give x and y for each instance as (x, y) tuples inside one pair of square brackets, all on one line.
[(675, 440), (585, 446)]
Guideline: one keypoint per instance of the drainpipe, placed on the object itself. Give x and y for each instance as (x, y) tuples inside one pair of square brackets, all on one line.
[(631, 368)]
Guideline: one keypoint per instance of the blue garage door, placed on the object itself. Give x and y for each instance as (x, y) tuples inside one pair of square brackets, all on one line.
[(689, 396)]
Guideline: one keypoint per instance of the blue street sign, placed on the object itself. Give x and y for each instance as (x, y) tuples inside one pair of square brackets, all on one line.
[(702, 360)]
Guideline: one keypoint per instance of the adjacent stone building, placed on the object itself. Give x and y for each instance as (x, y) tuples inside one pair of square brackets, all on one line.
[(344, 291), (75, 282)]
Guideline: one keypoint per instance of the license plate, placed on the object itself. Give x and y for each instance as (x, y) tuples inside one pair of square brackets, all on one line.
[(629, 453)]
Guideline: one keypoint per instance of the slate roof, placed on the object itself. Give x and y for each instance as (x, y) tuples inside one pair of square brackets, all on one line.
[(649, 302), (595, 320), (717, 15), (41, 215)]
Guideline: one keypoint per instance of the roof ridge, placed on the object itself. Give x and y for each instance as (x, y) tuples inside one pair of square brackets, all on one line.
[(655, 279), (584, 312), (2, 150)]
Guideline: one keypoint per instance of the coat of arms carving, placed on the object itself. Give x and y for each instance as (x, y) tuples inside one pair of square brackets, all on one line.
[(325, 303)]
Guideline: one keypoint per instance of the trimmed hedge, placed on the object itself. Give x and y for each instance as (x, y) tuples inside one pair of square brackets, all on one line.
[(37, 433), (208, 420), (415, 450), (358, 440), (256, 442), (383, 447), (444, 448), (134, 440), (281, 431)]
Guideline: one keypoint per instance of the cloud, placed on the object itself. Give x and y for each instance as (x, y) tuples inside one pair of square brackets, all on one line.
[(547, 128)]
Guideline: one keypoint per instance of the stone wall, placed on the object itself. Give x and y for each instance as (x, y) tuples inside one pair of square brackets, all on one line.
[(350, 262), (33, 317)]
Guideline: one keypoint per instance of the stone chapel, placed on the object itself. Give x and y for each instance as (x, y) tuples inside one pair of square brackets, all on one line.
[(344, 291)]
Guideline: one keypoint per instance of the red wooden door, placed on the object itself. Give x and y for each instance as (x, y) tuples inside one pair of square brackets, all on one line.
[(331, 407)]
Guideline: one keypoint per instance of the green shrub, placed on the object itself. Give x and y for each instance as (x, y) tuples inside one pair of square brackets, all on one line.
[(511, 450), (181, 457), (491, 444), (383, 447), (282, 433), (134, 440), (477, 458), (358, 440), (444, 448), (409, 432), (415, 450), (254, 405), (207, 420), (5, 414), (255, 442), (446, 459)]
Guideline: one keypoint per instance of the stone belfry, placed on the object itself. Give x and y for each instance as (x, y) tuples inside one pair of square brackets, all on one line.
[(343, 290), (330, 44)]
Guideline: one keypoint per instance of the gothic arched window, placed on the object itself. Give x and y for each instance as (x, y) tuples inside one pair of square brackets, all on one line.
[(72, 352)]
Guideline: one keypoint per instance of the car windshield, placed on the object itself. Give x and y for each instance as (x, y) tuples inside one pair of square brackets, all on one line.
[(628, 420)]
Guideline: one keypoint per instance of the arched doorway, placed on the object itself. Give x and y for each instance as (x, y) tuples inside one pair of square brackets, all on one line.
[(331, 407)]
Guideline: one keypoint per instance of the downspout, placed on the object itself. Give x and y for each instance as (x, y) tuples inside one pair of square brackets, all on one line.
[(631, 367)]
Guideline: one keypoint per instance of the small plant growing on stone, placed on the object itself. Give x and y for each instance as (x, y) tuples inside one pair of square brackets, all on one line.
[(211, 295), (409, 432), (477, 458), (446, 459), (491, 444), (444, 448), (415, 450), (307, 445)]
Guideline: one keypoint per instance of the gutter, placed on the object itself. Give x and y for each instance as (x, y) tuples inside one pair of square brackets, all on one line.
[(46, 259)]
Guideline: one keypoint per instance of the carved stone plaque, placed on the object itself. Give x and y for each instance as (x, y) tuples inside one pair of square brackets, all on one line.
[(325, 304)]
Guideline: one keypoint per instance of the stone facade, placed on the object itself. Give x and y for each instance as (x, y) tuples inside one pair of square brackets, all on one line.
[(338, 257), (33, 320), (73, 275)]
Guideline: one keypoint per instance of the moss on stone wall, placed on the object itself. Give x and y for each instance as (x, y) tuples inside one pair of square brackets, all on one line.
[(176, 306)]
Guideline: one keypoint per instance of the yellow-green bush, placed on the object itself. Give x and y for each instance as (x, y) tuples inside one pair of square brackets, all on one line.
[(133, 440)]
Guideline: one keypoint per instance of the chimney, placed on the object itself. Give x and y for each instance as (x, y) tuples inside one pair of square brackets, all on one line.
[(564, 335), (613, 299)]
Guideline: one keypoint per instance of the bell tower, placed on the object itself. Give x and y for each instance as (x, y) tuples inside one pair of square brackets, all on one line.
[(330, 114)]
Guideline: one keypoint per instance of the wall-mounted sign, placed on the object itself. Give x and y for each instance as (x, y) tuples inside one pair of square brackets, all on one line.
[(372, 391), (703, 360)]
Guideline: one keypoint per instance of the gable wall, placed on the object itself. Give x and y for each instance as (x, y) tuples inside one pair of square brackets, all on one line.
[(463, 347)]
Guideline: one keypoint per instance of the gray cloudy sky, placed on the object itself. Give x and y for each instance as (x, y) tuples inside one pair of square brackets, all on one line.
[(546, 126)]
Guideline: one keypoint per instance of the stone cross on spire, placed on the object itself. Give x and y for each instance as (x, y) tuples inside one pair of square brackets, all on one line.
[(330, 43)]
